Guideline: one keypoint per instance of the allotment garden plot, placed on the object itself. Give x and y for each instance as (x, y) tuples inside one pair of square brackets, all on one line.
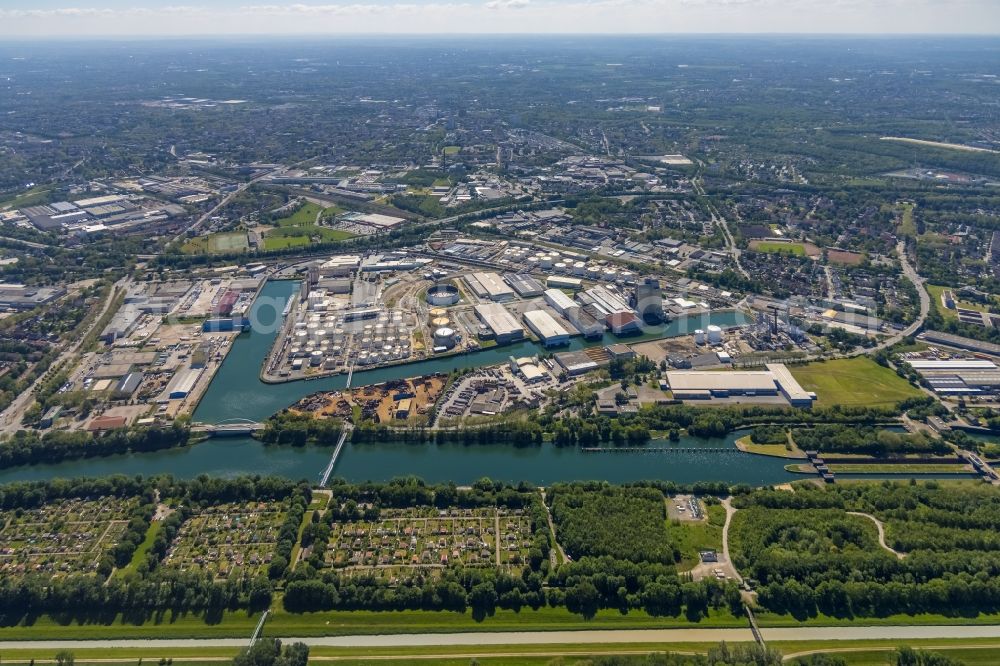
[(405, 541), (62, 538), (235, 540)]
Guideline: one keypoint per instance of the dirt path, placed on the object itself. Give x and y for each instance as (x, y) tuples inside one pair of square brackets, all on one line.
[(552, 531), (881, 533)]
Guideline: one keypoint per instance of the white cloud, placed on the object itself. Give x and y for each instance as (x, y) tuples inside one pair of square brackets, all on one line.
[(507, 4)]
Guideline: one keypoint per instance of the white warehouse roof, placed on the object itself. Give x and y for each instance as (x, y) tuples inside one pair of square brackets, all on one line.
[(748, 380), (544, 326), (498, 319)]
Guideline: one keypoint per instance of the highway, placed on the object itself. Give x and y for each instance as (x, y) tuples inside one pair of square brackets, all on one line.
[(597, 636)]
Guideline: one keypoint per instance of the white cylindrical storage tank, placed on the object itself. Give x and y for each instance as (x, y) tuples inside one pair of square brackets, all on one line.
[(444, 337), (439, 294), (609, 274), (321, 334), (699, 337), (546, 262), (300, 326), (295, 351), (579, 268), (626, 277), (315, 358), (363, 358), (714, 334), (560, 267), (390, 339), (330, 364)]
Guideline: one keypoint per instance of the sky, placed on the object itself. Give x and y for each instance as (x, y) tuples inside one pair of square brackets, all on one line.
[(26, 19)]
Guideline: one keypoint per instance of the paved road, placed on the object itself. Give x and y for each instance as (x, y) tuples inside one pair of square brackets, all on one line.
[(694, 635), (881, 533)]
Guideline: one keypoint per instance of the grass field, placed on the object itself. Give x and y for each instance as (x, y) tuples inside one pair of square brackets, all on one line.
[(776, 450), (693, 537), (143, 550), (775, 247), (857, 653), (33, 197), (902, 468), (234, 241), (340, 623), (907, 226), (857, 381), (935, 292), (300, 228)]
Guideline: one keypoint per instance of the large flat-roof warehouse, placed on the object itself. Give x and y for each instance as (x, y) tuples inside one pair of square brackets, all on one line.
[(501, 322), (546, 328), (489, 285), (707, 384)]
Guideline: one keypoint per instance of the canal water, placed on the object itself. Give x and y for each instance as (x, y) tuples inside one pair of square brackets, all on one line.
[(237, 392)]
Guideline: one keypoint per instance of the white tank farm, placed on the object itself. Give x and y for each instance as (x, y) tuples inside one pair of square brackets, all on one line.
[(699, 337), (714, 334)]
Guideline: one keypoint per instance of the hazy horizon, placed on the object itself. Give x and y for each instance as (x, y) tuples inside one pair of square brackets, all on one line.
[(153, 18)]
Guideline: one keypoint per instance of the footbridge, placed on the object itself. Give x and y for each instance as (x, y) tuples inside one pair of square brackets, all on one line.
[(228, 428)]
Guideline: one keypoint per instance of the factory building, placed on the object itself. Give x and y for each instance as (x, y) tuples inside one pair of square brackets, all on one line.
[(525, 285), (959, 376), (790, 387), (128, 385), (563, 282), (340, 266), (708, 384), (500, 322), (950, 340), (21, 297), (122, 324), (604, 299), (183, 383), (546, 328), (623, 323), (489, 285), (559, 301), (584, 322)]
